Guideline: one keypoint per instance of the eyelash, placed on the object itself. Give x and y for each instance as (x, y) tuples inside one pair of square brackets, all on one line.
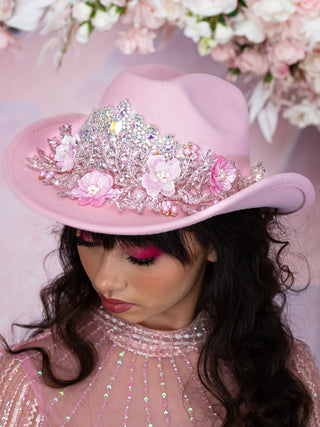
[(139, 261), (133, 260), (88, 244)]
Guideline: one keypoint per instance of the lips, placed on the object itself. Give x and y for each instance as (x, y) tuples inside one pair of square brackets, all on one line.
[(115, 305)]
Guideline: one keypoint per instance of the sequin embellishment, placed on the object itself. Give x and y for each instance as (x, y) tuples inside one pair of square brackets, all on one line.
[(118, 158)]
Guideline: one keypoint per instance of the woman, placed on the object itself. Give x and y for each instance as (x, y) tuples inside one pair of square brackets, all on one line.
[(168, 311)]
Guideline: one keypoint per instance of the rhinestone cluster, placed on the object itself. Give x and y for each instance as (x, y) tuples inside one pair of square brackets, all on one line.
[(117, 157)]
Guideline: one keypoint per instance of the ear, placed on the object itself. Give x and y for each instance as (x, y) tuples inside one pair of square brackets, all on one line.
[(212, 255)]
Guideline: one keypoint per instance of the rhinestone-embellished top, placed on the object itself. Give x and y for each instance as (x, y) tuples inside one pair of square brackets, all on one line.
[(143, 378)]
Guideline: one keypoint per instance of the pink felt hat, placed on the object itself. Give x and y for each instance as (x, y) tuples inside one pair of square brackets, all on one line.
[(164, 151)]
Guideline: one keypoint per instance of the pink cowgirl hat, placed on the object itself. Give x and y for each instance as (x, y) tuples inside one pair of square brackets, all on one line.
[(165, 150)]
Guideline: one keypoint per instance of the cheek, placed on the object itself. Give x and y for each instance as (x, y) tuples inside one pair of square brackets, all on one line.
[(88, 261), (161, 282)]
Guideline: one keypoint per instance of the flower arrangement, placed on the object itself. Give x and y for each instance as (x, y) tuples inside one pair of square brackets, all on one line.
[(274, 42)]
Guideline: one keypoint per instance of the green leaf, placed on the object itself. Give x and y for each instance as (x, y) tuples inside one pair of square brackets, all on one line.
[(268, 77), (234, 13), (234, 71), (221, 20), (243, 3)]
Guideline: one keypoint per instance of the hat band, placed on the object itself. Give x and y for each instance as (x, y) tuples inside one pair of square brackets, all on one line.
[(118, 158)]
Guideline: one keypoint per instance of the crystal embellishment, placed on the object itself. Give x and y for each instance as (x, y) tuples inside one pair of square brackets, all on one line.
[(118, 158)]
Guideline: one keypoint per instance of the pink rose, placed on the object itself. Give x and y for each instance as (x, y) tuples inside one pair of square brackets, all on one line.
[(286, 51), (139, 39), (252, 61), (279, 70), (6, 7), (223, 53), (7, 40), (142, 14), (308, 7)]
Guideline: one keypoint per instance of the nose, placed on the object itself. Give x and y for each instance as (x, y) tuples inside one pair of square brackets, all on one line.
[(109, 276)]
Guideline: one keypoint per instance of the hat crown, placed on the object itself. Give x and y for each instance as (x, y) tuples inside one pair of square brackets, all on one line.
[(200, 108)]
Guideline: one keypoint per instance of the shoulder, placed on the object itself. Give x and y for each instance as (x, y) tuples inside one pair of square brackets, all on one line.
[(304, 366), (18, 405)]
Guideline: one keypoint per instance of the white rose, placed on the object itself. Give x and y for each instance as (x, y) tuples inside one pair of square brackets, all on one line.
[(310, 28), (81, 12), (106, 3), (170, 9), (223, 34), (311, 68), (210, 7), (303, 114), (250, 29), (274, 10), (195, 30), (83, 33), (103, 21)]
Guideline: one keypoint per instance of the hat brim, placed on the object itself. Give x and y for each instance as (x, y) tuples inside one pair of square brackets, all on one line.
[(288, 192)]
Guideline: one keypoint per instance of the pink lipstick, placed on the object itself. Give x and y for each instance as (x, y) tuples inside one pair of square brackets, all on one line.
[(115, 305)]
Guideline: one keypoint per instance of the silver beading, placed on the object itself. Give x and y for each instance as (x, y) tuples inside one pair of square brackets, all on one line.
[(119, 158)]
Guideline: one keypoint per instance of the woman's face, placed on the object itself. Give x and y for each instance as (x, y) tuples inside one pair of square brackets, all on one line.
[(144, 285)]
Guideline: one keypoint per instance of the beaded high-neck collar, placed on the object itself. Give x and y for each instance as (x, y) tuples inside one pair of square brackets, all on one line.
[(156, 343)]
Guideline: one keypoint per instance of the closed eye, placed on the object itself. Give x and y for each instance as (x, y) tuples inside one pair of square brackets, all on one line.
[(140, 261)]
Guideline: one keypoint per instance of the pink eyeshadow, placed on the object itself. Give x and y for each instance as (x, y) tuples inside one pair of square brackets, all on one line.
[(85, 236), (145, 253)]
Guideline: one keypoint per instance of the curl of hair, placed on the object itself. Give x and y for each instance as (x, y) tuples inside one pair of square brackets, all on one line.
[(244, 293)]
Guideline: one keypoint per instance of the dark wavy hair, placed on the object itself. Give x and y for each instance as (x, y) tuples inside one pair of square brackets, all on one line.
[(244, 293)]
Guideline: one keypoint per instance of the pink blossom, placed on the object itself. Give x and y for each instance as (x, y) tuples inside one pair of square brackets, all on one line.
[(6, 7), (223, 175), (139, 39), (252, 61), (7, 40), (308, 7), (161, 176), (279, 70), (286, 51), (223, 53), (142, 13), (94, 188)]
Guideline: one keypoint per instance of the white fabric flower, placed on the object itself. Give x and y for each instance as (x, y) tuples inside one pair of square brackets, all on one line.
[(274, 10), (195, 30), (161, 176), (104, 21), (303, 114), (83, 33), (81, 11), (210, 7), (223, 33), (311, 68), (250, 29)]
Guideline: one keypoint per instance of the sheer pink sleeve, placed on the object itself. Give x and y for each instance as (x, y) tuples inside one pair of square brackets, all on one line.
[(308, 373), (18, 406)]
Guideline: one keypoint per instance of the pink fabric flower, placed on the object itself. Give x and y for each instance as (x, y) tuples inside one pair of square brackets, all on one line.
[(223, 175), (161, 176), (252, 61), (286, 51), (94, 188), (6, 7), (139, 39)]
